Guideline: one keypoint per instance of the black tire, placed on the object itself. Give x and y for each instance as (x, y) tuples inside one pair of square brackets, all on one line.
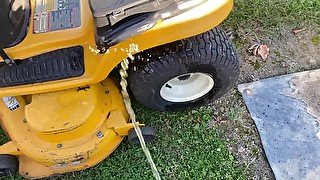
[(148, 133), (8, 164), (211, 53)]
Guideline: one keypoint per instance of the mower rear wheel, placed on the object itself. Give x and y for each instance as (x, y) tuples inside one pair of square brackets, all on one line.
[(148, 133), (186, 73), (8, 164)]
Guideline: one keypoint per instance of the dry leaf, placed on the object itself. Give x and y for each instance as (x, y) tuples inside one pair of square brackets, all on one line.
[(259, 50), (254, 49), (297, 31), (263, 51)]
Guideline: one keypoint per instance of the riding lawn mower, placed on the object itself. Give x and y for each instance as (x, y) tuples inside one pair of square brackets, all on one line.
[(62, 106)]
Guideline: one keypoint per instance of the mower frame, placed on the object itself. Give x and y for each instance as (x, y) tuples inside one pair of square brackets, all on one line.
[(99, 65)]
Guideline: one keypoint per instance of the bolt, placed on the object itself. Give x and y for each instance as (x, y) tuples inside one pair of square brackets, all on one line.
[(59, 146), (7, 61), (99, 134), (248, 92)]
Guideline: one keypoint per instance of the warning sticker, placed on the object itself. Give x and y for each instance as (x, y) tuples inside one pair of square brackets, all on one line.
[(11, 102), (54, 15)]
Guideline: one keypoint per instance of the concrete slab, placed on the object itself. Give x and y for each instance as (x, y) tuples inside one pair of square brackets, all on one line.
[(286, 111)]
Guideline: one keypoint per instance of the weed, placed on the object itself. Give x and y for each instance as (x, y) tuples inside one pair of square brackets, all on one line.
[(316, 39)]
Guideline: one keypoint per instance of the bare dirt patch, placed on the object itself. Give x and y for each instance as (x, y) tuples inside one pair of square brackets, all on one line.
[(289, 53)]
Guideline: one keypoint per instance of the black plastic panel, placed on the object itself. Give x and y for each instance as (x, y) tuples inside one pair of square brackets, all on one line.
[(55, 65), (126, 28)]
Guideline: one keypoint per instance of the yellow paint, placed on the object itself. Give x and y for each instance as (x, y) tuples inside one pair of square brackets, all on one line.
[(98, 66), (124, 130), (60, 114), (10, 148), (59, 128), (64, 149)]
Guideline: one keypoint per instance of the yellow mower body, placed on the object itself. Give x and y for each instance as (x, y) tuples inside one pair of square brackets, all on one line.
[(73, 124), (65, 130)]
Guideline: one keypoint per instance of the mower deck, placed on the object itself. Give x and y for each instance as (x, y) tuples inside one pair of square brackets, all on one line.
[(65, 131)]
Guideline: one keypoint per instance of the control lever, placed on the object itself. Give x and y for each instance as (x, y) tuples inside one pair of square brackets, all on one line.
[(6, 58)]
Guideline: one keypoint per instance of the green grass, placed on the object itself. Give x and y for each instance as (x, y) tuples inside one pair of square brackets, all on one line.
[(256, 17), (185, 149), (235, 113), (3, 137), (316, 39)]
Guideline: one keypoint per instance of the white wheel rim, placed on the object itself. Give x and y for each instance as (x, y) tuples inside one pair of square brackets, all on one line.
[(187, 87)]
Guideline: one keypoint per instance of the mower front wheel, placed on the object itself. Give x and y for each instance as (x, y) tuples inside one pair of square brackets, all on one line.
[(8, 165), (148, 133), (185, 74)]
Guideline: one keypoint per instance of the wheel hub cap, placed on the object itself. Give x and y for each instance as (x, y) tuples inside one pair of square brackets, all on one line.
[(187, 87)]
